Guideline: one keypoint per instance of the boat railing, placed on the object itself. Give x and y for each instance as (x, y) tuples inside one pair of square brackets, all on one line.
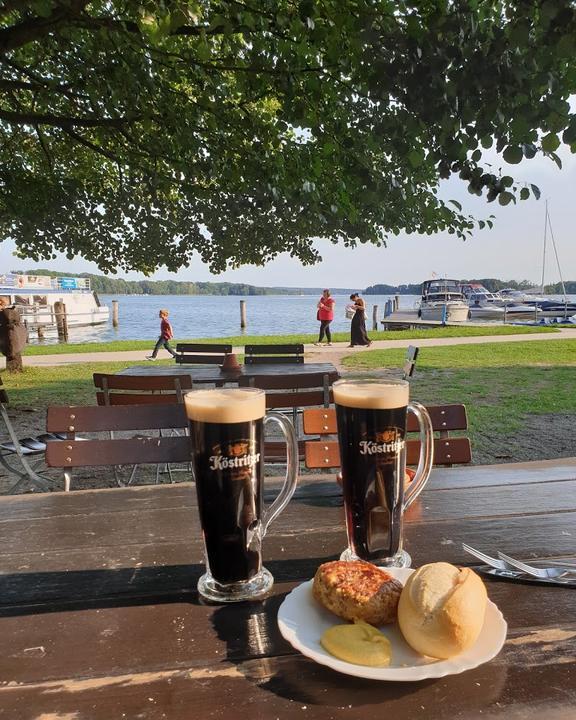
[(15, 282)]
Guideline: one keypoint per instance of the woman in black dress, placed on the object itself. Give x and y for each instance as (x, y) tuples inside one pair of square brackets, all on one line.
[(358, 335)]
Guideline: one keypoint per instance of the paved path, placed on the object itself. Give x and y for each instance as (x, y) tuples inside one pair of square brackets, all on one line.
[(332, 354)]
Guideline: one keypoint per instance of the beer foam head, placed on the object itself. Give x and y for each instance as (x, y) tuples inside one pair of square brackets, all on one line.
[(225, 405), (371, 394)]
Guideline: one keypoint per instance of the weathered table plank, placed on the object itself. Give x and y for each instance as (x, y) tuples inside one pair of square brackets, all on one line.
[(100, 619)]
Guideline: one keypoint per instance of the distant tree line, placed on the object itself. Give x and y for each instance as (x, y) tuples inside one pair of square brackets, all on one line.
[(117, 286), (491, 284)]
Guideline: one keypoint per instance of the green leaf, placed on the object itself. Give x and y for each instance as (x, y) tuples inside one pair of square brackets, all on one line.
[(529, 150), (476, 155), (487, 142), (550, 142), (505, 198), (456, 204), (524, 193), (507, 181), (416, 157), (513, 155), (535, 191)]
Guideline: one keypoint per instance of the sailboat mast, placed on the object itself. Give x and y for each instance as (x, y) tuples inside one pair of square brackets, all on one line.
[(556, 256), (544, 249)]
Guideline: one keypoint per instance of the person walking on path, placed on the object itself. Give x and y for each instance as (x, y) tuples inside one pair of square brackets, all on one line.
[(325, 314), (358, 334), (166, 334)]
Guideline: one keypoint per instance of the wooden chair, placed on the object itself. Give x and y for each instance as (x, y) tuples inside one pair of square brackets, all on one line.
[(291, 393), (410, 362), (201, 353), (141, 389), (448, 450), (264, 354), (71, 453), (16, 455)]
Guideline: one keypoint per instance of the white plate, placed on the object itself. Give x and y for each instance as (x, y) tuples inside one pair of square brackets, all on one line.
[(302, 621)]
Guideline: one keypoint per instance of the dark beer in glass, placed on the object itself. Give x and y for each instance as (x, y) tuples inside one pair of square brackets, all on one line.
[(227, 441), (371, 417)]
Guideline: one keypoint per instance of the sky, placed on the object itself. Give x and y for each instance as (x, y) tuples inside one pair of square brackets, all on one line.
[(512, 250)]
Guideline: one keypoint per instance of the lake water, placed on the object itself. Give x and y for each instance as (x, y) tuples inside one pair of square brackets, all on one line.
[(207, 316)]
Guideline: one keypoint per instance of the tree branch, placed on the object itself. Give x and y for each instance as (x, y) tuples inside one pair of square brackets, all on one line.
[(29, 30), (22, 118)]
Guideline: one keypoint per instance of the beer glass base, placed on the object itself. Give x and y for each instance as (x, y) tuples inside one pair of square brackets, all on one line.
[(252, 589), (401, 559)]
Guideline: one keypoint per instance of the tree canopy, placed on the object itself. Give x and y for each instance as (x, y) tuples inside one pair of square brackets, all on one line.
[(138, 132)]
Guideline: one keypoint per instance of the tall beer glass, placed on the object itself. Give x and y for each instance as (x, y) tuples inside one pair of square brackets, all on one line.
[(227, 441), (371, 418)]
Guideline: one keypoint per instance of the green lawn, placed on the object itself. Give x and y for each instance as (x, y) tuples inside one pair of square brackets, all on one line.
[(237, 340), (502, 385)]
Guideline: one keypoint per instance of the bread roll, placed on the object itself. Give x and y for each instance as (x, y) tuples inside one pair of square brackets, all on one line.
[(357, 590), (441, 609)]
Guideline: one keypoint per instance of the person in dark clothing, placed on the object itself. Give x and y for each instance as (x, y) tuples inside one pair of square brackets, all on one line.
[(166, 334), (325, 315), (358, 334)]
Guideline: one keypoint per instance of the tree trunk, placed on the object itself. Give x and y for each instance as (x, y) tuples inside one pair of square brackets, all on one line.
[(13, 338)]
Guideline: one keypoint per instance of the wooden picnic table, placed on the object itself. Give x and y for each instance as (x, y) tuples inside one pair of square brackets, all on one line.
[(100, 619), (212, 374)]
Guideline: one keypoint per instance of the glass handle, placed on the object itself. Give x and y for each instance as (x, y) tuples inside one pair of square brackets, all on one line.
[(291, 479), (426, 453)]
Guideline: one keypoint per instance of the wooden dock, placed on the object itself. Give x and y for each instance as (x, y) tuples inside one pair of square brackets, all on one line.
[(408, 320)]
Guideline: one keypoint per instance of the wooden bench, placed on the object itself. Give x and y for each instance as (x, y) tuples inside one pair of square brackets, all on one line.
[(448, 450), (202, 353), (140, 389), (265, 354), (142, 449), (291, 393)]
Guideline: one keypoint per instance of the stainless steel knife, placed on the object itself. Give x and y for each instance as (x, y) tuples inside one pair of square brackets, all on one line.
[(513, 576)]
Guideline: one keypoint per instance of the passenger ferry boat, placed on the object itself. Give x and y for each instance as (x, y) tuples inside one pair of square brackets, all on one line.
[(35, 295)]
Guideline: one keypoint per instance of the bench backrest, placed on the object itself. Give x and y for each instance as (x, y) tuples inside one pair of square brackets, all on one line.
[(202, 353), (264, 354), (140, 389), (325, 452), (73, 452), (293, 391)]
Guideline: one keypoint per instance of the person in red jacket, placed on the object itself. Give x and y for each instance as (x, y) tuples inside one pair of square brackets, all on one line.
[(325, 315), (166, 334)]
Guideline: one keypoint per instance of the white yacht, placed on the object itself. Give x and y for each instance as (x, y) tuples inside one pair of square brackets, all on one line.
[(35, 295), (443, 301), (485, 305)]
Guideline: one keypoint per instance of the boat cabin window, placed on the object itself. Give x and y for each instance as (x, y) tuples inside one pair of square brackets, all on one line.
[(22, 300), (40, 300)]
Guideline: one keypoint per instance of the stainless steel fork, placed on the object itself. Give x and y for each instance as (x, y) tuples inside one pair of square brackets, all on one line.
[(505, 562), (545, 572)]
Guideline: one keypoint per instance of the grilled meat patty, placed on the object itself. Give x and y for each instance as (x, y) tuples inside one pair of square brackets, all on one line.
[(357, 590)]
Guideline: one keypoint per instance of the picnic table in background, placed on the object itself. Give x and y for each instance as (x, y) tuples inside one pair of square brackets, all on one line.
[(100, 619), (213, 374)]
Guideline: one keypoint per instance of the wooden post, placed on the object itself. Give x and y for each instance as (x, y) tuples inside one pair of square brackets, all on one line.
[(242, 314), (40, 332), (114, 313), (375, 317), (505, 312), (396, 302), (13, 338), (61, 322)]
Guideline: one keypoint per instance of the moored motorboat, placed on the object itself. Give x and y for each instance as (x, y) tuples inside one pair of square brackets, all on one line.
[(443, 301)]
